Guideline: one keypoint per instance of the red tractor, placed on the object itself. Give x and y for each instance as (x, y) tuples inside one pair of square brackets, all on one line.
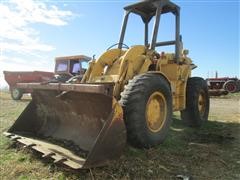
[(222, 86)]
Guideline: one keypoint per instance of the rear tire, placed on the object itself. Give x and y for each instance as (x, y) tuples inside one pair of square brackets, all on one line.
[(231, 86), (197, 102), (16, 93), (147, 105)]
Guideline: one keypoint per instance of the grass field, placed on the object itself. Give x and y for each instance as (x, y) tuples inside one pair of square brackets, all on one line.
[(211, 152)]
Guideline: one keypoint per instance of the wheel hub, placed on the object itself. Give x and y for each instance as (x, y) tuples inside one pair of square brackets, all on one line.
[(231, 87), (201, 103), (156, 111), (15, 93)]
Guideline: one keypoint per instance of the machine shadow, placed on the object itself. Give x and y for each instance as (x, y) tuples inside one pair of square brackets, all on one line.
[(217, 132)]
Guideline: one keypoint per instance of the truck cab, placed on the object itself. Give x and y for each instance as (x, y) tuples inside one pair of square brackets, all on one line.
[(69, 66)]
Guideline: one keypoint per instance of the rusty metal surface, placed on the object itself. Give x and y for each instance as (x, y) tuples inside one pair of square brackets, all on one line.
[(80, 130), (50, 151), (76, 57), (106, 88)]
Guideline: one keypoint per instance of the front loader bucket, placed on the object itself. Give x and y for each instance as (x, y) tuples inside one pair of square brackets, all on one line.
[(81, 128)]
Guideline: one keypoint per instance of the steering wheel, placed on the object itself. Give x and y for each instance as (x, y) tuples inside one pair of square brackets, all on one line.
[(123, 46)]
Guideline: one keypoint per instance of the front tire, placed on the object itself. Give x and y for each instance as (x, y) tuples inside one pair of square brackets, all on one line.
[(16, 93), (147, 105), (197, 102)]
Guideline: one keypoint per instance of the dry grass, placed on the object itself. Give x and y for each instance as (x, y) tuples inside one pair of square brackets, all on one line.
[(211, 152)]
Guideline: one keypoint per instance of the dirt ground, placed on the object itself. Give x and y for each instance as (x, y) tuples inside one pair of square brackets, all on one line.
[(226, 107), (210, 152)]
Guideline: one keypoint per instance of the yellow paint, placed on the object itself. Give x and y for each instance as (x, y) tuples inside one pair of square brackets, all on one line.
[(120, 66), (201, 103), (156, 111), (118, 111), (96, 67)]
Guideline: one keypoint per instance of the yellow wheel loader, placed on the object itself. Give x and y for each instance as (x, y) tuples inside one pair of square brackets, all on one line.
[(127, 94)]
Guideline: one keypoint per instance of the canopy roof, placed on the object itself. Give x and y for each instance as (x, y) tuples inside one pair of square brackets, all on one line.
[(147, 8)]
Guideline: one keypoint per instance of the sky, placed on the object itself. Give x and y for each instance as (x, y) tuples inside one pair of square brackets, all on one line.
[(33, 33)]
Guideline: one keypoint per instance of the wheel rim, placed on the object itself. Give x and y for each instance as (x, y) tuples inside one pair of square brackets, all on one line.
[(231, 87), (202, 103), (15, 93), (156, 111)]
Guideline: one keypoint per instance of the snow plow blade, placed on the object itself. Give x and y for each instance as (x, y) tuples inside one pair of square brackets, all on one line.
[(78, 125)]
